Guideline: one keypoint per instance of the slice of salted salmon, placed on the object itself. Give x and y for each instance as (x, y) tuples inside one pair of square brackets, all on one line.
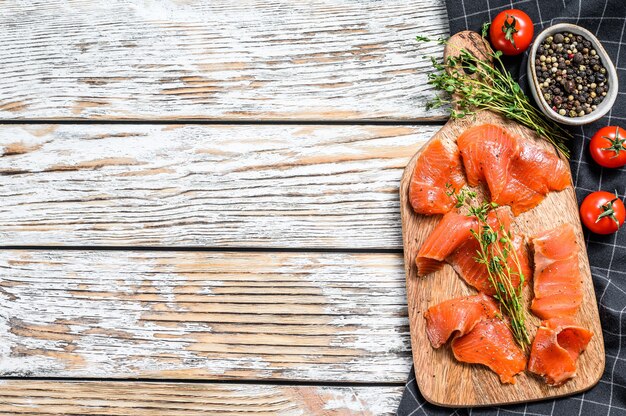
[(557, 345), (457, 317), (452, 241), (480, 336), (491, 343), (436, 167), (557, 281), (463, 260), (451, 232), (517, 172)]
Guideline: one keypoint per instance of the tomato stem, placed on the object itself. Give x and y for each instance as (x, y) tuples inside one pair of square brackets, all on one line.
[(509, 29), (608, 211), (617, 143)]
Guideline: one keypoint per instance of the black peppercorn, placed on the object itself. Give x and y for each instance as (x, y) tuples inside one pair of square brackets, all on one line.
[(569, 85), (571, 76)]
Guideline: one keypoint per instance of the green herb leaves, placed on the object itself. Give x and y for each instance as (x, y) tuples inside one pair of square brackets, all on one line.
[(472, 84), (499, 255)]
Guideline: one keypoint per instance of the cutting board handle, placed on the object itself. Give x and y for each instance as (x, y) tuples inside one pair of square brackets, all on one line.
[(470, 41)]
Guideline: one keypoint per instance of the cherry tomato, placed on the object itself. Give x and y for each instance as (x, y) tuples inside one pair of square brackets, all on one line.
[(511, 32), (602, 212), (608, 147)]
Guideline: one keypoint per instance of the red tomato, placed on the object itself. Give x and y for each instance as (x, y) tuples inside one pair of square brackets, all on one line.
[(602, 212), (608, 147), (511, 32)]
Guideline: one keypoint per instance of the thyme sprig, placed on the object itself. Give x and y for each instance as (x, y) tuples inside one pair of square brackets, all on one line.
[(501, 261), (482, 84)]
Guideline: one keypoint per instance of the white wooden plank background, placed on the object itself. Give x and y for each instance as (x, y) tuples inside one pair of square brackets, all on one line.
[(253, 59), (243, 316), (204, 185), (185, 399), (210, 315)]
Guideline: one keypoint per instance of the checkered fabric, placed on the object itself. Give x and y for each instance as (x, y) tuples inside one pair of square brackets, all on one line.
[(607, 254)]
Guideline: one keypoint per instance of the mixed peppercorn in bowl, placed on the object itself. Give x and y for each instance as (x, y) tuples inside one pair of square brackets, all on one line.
[(571, 76)]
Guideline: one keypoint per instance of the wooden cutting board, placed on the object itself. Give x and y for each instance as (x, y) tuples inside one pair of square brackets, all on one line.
[(441, 379)]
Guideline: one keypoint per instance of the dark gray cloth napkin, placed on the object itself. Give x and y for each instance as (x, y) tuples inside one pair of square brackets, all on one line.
[(607, 254)]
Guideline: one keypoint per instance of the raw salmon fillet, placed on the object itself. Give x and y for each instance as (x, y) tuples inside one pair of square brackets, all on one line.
[(491, 343), (435, 168), (517, 172), (557, 280), (480, 336), (557, 345), (451, 241), (457, 317)]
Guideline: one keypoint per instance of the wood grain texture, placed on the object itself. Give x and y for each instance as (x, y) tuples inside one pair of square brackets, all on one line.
[(201, 185), (257, 59), (445, 381), (209, 315), (41, 398)]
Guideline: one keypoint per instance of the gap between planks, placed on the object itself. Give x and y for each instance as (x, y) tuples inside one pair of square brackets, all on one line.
[(261, 382), (422, 121), (212, 249)]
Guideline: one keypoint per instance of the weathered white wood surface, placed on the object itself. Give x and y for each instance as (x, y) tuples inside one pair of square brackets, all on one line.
[(210, 315), (204, 185), (207, 315), (224, 59), (185, 399)]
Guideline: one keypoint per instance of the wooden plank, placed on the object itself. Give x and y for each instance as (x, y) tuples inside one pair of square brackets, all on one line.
[(209, 315), (204, 185), (31, 397), (262, 59), (442, 379)]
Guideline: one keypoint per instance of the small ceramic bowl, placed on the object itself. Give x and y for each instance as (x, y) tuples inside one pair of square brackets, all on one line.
[(611, 95)]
